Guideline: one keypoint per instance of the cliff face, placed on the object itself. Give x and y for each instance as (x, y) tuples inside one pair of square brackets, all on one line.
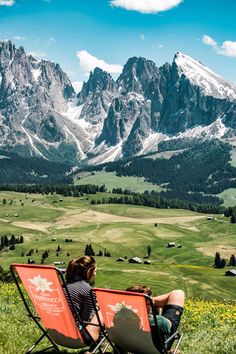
[(32, 94), (40, 115)]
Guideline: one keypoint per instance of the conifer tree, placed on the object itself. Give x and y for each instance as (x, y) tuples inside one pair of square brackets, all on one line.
[(232, 261)]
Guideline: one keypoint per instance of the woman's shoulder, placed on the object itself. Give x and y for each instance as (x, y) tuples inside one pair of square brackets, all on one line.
[(81, 286)]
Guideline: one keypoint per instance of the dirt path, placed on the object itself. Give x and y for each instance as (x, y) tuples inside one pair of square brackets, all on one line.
[(225, 251), (77, 217), (39, 226), (90, 216)]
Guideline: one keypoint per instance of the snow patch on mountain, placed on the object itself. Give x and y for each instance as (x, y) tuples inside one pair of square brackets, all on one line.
[(151, 142), (200, 75), (73, 111), (80, 150), (36, 73), (216, 130), (34, 148), (135, 96), (111, 154)]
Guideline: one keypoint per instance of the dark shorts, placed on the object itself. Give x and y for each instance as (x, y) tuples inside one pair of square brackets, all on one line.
[(173, 313)]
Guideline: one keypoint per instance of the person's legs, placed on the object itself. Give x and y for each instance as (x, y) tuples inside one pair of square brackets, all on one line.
[(175, 297), (172, 304), (93, 327)]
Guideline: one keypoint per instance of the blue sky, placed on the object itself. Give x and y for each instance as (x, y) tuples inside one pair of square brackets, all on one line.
[(80, 34)]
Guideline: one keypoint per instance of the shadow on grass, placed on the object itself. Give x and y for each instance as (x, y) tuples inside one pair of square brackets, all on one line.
[(54, 351)]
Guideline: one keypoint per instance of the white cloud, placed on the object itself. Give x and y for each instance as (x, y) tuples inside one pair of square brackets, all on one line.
[(208, 40), (77, 85), (228, 48), (142, 36), (50, 42), (7, 2), (146, 6), (19, 38), (38, 54), (89, 62)]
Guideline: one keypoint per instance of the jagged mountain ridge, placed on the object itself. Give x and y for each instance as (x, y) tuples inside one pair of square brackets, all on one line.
[(40, 114)]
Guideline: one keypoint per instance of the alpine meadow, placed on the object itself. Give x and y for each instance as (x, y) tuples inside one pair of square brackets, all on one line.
[(117, 176)]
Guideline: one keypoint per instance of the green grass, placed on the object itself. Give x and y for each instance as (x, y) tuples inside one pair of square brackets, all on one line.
[(208, 325), (111, 181), (165, 154), (123, 230), (229, 197), (134, 211), (233, 157)]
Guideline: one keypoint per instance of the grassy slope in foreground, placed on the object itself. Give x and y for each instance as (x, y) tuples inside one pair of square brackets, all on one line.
[(208, 326)]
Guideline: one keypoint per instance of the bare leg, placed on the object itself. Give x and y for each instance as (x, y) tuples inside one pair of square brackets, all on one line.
[(175, 297), (94, 328)]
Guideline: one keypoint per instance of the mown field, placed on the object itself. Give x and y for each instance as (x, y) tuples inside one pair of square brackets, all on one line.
[(123, 230), (139, 185), (111, 181)]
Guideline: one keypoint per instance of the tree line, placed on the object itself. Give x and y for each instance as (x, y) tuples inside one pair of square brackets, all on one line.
[(32, 170), (157, 200), (10, 241), (231, 212), (190, 175), (65, 190), (220, 262), (90, 252)]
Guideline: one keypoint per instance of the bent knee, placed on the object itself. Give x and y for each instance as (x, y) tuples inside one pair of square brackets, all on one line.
[(177, 297)]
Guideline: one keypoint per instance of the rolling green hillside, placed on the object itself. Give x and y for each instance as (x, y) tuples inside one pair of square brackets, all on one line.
[(192, 173), (46, 222), (111, 180), (126, 231)]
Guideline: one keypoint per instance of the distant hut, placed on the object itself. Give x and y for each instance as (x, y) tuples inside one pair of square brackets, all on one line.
[(135, 260), (120, 259), (171, 244), (231, 272)]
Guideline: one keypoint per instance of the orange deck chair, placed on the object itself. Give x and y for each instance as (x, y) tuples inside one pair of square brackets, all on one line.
[(126, 318), (44, 286)]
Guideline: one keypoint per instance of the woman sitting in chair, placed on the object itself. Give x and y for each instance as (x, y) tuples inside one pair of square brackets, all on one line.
[(80, 274)]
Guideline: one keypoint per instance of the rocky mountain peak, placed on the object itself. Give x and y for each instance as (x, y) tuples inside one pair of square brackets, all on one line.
[(7, 48), (99, 80), (32, 96), (40, 115), (136, 75), (210, 83)]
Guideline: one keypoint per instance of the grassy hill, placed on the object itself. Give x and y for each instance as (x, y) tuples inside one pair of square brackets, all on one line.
[(122, 230), (125, 230), (136, 184)]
